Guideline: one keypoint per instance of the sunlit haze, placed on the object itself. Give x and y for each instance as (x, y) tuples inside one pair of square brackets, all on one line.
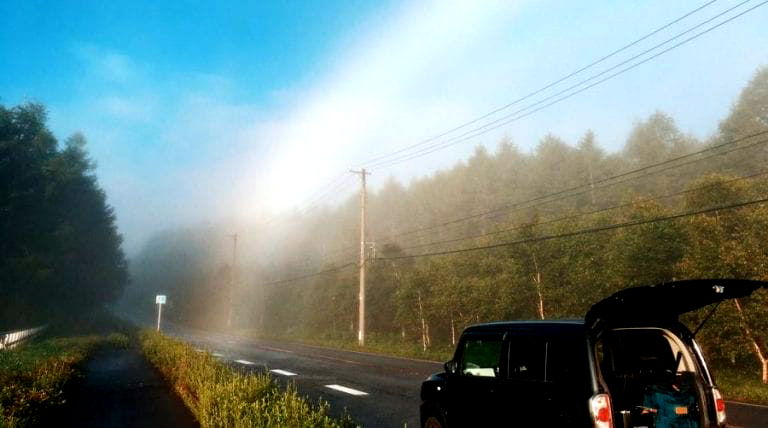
[(261, 106)]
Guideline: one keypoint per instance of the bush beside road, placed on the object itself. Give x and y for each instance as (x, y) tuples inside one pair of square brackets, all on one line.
[(742, 385), (219, 396), (32, 377)]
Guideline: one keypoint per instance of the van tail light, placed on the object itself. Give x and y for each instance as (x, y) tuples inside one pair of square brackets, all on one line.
[(600, 408), (719, 406)]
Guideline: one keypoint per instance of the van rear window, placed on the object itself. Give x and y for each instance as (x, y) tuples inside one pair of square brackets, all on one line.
[(559, 361)]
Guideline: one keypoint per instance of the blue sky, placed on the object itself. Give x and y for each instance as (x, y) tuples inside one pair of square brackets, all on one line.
[(230, 110)]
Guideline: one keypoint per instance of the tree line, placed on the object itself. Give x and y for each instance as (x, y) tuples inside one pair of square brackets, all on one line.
[(60, 254), (558, 207)]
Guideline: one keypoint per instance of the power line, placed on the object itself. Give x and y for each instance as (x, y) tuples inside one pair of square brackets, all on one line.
[(538, 239), (605, 183), (333, 187), (331, 183), (338, 268), (584, 214), (574, 216), (650, 173), (327, 188), (582, 231), (484, 129), (515, 116), (566, 193), (543, 88), (332, 191), (588, 186)]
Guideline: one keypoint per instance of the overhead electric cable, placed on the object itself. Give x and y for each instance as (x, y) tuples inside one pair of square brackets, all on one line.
[(515, 116), (582, 231), (334, 186), (588, 213), (588, 186), (625, 180), (554, 236), (281, 281), (333, 191), (323, 190), (543, 88)]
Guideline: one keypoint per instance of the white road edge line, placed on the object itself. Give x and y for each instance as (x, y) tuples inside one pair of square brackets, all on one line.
[(346, 389), (746, 404), (216, 354), (246, 362), (283, 372)]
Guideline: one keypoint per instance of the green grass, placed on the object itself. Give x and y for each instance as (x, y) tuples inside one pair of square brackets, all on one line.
[(32, 376), (219, 396), (742, 385)]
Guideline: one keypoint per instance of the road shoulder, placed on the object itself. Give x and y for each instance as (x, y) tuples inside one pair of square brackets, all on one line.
[(119, 388), (746, 415)]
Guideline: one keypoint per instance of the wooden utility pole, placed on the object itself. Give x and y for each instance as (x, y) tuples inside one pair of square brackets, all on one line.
[(232, 280), (361, 296)]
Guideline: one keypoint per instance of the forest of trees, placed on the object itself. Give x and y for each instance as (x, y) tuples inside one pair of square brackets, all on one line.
[(60, 255), (576, 224)]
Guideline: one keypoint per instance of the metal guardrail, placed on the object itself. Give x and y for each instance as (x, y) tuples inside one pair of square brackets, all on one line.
[(11, 339)]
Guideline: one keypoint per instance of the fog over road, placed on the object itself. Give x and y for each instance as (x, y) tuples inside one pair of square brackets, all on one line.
[(376, 390)]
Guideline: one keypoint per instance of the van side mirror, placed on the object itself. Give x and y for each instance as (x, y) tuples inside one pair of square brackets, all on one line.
[(451, 367)]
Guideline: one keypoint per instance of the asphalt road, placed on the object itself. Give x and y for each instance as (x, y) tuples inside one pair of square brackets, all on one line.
[(376, 390)]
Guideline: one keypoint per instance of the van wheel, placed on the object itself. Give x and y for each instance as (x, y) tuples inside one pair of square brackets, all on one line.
[(433, 422)]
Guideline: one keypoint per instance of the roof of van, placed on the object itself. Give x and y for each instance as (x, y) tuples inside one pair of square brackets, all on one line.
[(537, 325)]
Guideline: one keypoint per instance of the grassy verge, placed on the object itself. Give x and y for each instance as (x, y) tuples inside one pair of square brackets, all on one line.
[(32, 376), (742, 385), (219, 396)]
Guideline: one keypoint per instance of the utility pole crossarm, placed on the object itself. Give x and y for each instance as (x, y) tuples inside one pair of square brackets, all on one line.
[(361, 297)]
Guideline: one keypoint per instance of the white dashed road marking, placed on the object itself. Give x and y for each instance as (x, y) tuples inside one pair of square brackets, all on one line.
[(345, 389), (246, 362), (283, 372), (216, 354)]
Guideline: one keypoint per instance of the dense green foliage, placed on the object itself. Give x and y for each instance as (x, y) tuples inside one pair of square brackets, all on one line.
[(508, 196), (219, 396), (59, 249), (741, 385), (32, 377)]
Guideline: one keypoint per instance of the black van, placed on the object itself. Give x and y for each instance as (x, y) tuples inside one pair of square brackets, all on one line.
[(629, 363)]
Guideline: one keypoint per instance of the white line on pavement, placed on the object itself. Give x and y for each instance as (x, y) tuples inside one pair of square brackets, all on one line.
[(216, 354), (746, 404), (283, 372), (346, 389), (246, 362), (274, 349)]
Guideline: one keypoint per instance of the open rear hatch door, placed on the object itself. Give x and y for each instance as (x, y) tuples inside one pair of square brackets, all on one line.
[(664, 303)]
